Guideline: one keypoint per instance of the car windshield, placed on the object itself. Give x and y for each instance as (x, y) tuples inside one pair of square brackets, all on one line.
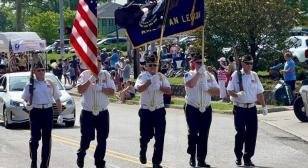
[(17, 83)]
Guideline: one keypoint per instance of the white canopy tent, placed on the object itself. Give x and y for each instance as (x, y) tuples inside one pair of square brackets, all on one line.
[(20, 42)]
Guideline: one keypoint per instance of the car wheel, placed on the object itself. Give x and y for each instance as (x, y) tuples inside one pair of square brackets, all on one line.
[(299, 109), (5, 119), (70, 123)]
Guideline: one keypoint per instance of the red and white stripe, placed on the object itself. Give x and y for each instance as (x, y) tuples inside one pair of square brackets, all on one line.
[(84, 36)]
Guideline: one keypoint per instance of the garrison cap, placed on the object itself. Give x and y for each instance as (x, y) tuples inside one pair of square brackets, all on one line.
[(151, 59)]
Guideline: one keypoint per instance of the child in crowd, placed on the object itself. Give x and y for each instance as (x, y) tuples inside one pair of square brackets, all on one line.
[(222, 78), (116, 78), (128, 92), (72, 74)]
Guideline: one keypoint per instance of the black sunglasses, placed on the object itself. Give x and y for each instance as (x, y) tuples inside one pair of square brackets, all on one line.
[(152, 65), (248, 63), (198, 62)]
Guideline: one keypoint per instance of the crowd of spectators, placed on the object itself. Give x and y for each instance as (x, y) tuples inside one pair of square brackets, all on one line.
[(69, 69)]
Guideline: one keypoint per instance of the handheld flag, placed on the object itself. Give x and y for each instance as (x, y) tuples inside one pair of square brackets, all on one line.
[(84, 34), (182, 16)]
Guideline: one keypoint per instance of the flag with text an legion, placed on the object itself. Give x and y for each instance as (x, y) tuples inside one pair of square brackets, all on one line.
[(84, 34)]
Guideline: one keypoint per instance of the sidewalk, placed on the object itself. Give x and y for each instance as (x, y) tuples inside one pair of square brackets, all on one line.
[(271, 109), (287, 121)]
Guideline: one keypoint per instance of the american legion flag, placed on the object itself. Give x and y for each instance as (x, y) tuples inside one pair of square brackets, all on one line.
[(183, 16), (84, 34)]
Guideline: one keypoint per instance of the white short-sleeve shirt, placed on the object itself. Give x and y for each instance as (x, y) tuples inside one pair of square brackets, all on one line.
[(146, 96), (87, 98), (251, 85), (43, 93), (193, 95)]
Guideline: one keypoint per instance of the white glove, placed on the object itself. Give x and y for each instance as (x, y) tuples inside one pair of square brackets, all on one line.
[(60, 119), (264, 110), (98, 87), (155, 79), (155, 82), (201, 70), (241, 94), (29, 107), (148, 77), (92, 79)]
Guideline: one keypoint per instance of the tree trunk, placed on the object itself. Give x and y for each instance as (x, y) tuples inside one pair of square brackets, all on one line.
[(253, 49), (18, 15)]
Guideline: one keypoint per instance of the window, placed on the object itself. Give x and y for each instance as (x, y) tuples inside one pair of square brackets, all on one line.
[(3, 83), (55, 81), (17, 83), (1, 79), (122, 40), (295, 42)]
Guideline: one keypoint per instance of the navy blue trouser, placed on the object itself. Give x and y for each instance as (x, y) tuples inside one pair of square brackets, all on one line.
[(153, 123), (88, 124), (246, 126), (41, 121), (198, 130)]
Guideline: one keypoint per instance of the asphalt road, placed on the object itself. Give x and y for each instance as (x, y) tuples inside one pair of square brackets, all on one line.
[(275, 148)]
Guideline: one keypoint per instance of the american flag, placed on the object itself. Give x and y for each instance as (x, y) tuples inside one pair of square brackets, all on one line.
[(84, 33)]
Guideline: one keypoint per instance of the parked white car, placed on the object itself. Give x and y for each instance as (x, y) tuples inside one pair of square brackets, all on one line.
[(299, 47), (12, 110), (300, 105)]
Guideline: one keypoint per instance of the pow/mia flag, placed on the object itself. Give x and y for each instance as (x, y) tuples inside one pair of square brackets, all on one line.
[(143, 21)]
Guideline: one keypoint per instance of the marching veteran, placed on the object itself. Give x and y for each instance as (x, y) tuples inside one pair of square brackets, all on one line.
[(45, 93), (94, 114), (200, 85), (245, 111), (152, 85)]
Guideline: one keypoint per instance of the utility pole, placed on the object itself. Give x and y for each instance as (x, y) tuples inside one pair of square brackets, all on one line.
[(61, 8), (134, 52), (18, 15)]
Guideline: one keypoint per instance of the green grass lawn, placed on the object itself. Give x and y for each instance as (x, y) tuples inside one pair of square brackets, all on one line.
[(176, 81), (58, 56), (178, 101)]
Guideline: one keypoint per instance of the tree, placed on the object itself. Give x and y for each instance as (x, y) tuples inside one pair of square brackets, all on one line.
[(28, 8), (254, 25), (6, 20), (46, 25), (302, 7)]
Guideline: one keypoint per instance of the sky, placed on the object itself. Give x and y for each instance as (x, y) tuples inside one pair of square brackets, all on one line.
[(122, 2)]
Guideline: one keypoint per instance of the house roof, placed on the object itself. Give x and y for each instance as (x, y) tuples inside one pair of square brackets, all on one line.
[(107, 9)]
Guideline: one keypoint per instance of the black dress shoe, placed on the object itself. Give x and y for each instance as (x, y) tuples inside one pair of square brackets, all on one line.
[(143, 157), (238, 162), (157, 166), (192, 161), (203, 164), (80, 163), (249, 163)]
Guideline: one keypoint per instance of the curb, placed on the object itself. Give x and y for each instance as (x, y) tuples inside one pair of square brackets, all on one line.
[(130, 102)]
